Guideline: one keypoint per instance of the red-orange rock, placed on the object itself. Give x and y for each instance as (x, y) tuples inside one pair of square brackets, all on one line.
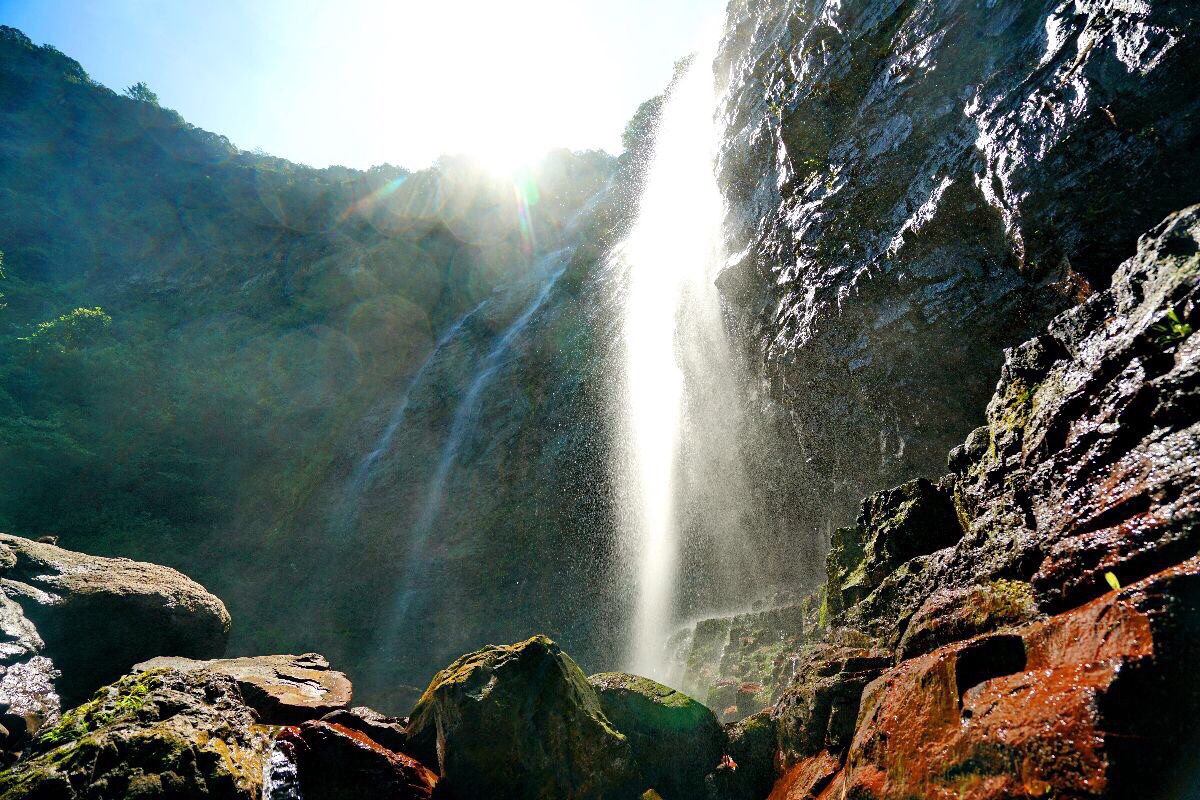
[(1082, 704), (807, 778), (339, 763)]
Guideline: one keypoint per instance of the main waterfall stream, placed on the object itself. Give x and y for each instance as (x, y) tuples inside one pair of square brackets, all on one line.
[(677, 468)]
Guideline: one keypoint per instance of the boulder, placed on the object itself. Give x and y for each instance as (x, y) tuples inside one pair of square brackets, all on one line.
[(388, 731), (519, 720), (751, 747), (99, 616), (159, 734), (676, 740), (1098, 701), (28, 697), (335, 762), (283, 689)]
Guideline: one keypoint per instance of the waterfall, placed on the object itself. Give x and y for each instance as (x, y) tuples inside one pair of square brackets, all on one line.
[(677, 407), (463, 423), (346, 512)]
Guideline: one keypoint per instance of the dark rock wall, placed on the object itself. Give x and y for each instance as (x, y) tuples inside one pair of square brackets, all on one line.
[(912, 186)]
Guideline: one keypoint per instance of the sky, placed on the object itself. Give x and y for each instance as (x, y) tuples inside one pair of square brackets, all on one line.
[(364, 82)]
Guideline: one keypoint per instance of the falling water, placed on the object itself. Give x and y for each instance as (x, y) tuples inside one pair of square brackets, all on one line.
[(671, 313), (461, 426), (346, 512)]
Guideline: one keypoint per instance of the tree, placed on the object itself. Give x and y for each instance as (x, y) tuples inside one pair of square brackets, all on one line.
[(141, 92)]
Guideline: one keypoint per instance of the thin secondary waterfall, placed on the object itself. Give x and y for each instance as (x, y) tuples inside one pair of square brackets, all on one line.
[(346, 512), (462, 425), (671, 324)]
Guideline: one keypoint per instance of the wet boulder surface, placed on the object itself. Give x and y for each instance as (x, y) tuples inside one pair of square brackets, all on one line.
[(520, 720), (676, 741), (160, 734), (282, 689), (96, 617), (914, 185), (190, 732)]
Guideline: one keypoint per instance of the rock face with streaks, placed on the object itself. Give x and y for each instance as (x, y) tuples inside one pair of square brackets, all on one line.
[(913, 185)]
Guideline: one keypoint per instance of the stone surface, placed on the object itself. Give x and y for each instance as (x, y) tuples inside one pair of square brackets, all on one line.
[(818, 711), (388, 731), (912, 186), (893, 527), (519, 721), (751, 745), (1084, 704), (719, 655), (283, 689), (335, 762), (161, 734), (952, 615), (676, 741), (99, 616), (1087, 465)]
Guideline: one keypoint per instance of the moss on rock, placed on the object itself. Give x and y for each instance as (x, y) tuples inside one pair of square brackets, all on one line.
[(676, 740), (519, 720), (158, 734)]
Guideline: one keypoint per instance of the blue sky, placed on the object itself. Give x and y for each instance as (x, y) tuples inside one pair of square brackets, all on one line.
[(360, 82)]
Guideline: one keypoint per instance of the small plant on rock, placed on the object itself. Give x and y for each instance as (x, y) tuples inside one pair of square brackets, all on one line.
[(1172, 330)]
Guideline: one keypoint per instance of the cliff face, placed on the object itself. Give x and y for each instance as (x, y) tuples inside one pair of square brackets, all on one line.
[(912, 186), (261, 321)]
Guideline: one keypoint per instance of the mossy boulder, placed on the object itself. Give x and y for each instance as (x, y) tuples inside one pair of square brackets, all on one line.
[(676, 740), (751, 746), (954, 614), (894, 526), (519, 720), (160, 734)]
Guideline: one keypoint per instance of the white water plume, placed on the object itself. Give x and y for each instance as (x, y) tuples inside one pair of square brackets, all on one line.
[(676, 366)]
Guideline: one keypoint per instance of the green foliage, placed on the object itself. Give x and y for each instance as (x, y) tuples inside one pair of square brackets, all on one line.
[(1112, 581), (72, 330), (111, 704), (141, 92), (1172, 330)]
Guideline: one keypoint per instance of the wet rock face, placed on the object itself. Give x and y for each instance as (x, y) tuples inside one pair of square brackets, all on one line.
[(893, 527), (97, 616), (914, 185), (1055, 709), (1085, 471), (283, 690), (1012, 662), (676, 741), (336, 762), (519, 721)]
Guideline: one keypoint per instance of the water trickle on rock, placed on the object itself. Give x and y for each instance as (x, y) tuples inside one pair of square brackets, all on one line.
[(345, 515)]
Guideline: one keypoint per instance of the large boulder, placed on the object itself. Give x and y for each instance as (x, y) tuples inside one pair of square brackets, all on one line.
[(160, 734), (676, 741), (520, 721), (99, 616), (283, 689), (28, 698)]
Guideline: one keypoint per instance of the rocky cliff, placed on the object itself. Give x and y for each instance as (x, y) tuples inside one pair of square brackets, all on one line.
[(913, 186)]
